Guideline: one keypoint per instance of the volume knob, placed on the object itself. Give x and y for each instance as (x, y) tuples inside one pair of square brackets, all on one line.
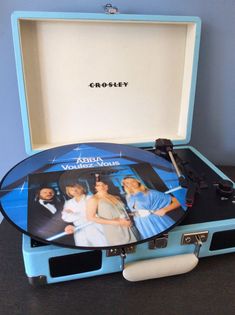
[(225, 188)]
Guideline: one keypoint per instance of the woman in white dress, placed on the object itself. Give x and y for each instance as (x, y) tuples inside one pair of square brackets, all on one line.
[(109, 210), (86, 233)]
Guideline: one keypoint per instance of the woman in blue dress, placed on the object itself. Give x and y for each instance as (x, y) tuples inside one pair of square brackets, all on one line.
[(149, 207)]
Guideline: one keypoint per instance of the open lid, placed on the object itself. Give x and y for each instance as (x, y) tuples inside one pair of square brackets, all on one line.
[(113, 78)]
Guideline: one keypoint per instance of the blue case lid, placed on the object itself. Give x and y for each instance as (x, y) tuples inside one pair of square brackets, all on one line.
[(97, 77)]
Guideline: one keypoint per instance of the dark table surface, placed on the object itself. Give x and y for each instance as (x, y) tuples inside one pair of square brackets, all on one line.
[(208, 289)]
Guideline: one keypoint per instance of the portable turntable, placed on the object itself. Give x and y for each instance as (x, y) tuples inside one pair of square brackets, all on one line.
[(100, 96)]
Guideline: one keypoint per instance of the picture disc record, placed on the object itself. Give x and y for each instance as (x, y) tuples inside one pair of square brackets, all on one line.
[(93, 196)]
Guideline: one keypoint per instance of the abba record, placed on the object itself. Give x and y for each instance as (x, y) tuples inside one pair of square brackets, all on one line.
[(95, 195)]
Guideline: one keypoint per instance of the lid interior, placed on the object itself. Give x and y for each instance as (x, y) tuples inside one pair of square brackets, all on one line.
[(101, 80)]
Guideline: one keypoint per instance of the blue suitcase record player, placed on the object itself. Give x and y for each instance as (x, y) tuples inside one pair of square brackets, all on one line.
[(107, 106)]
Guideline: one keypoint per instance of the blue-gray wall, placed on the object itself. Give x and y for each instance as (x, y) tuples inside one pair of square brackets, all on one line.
[(214, 116)]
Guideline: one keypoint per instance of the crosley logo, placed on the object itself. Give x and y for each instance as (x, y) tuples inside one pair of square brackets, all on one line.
[(108, 84)]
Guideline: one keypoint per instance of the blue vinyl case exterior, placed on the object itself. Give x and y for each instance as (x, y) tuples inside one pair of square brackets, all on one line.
[(37, 259)]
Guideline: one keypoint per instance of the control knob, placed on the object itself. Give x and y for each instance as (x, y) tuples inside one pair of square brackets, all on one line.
[(225, 188)]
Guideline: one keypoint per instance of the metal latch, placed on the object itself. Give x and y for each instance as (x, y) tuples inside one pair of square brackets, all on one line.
[(159, 242), (116, 251), (109, 9), (192, 238), (196, 238), (122, 252)]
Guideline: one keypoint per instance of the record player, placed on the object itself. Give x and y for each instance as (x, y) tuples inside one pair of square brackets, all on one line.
[(111, 96)]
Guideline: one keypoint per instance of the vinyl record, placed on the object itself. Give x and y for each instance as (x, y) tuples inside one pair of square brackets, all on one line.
[(93, 196)]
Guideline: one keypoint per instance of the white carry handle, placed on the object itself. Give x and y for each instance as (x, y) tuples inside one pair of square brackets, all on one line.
[(160, 267)]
